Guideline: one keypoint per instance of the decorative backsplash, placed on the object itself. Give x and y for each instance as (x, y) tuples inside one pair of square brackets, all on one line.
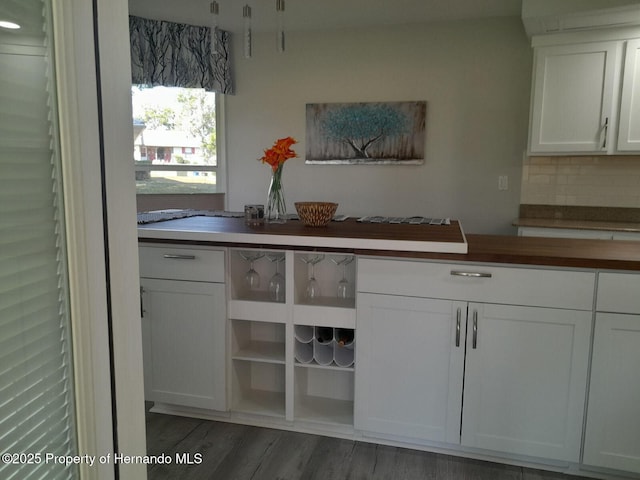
[(605, 181)]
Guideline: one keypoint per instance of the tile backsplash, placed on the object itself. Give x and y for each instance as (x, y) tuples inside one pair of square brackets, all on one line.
[(605, 181)]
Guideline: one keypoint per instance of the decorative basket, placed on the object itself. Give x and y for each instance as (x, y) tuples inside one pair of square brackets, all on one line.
[(316, 214)]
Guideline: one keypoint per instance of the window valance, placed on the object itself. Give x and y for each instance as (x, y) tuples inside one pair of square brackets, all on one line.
[(179, 55)]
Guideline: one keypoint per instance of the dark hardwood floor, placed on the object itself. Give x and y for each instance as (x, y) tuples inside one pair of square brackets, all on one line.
[(239, 452)]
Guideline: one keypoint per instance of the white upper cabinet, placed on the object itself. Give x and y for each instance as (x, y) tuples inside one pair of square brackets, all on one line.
[(586, 94), (573, 98), (629, 134)]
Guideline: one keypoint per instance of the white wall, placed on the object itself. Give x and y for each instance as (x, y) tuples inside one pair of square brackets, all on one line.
[(474, 75), (535, 8)]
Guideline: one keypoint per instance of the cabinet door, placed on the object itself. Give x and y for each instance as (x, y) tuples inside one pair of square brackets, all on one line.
[(525, 380), (409, 366), (573, 93), (629, 133), (613, 416), (184, 350)]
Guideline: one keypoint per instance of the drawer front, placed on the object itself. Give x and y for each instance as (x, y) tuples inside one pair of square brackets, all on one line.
[(478, 283), (618, 292), (178, 263)]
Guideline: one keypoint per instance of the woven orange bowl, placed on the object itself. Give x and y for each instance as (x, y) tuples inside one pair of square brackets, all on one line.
[(316, 214)]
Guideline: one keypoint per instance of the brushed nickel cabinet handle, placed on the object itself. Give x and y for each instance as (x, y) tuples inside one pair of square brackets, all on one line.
[(461, 273), (179, 257), (475, 329), (458, 316)]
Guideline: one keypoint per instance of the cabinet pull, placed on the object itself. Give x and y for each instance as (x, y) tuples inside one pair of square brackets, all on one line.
[(606, 129), (460, 273), (458, 316), (142, 310), (475, 329), (179, 257)]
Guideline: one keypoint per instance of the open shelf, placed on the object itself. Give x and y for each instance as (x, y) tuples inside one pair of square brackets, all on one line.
[(258, 341), (258, 388), (261, 402), (257, 351), (264, 270), (324, 395), (328, 275)]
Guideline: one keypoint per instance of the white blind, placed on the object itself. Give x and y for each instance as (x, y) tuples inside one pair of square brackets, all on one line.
[(36, 397)]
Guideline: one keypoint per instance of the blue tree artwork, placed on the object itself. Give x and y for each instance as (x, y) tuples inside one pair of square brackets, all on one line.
[(365, 133)]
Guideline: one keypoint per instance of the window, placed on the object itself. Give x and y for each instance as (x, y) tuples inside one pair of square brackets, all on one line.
[(175, 141)]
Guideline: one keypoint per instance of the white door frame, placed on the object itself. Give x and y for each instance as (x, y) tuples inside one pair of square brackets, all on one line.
[(96, 144)]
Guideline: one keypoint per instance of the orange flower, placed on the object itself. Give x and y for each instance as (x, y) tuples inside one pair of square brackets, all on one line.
[(279, 153)]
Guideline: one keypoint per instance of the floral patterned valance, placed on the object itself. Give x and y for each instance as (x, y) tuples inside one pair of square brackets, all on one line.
[(179, 55)]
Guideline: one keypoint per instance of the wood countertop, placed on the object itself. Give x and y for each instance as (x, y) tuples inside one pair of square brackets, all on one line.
[(349, 234), (553, 252), (559, 252)]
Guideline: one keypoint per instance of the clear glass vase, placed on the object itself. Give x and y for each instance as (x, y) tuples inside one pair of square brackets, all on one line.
[(276, 210)]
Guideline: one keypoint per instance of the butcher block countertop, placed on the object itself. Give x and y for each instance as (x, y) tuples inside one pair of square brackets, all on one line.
[(439, 242), (349, 234)]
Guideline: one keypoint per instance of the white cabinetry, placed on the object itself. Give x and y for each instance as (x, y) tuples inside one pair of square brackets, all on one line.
[(629, 132), (410, 367), (525, 380), (292, 354), (586, 93), (183, 322), (573, 97), (526, 366), (612, 437)]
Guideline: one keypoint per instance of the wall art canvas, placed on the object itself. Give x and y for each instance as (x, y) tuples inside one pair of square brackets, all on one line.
[(373, 133)]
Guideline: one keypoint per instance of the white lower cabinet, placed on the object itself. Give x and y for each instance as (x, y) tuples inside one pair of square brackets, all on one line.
[(505, 378), (183, 307), (184, 343), (410, 367), (612, 437), (525, 380)]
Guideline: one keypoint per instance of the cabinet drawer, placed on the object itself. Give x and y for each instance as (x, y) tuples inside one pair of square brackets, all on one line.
[(618, 292), (177, 263), (478, 283)]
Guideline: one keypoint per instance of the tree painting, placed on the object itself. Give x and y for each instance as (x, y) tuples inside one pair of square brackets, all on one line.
[(366, 133)]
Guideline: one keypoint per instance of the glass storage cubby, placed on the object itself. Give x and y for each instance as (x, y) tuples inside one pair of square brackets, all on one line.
[(258, 367), (257, 275), (324, 279), (324, 374)]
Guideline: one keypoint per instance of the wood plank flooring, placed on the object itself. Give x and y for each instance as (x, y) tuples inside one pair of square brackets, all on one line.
[(240, 452)]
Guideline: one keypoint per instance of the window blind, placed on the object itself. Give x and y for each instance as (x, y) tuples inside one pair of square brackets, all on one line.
[(36, 397)]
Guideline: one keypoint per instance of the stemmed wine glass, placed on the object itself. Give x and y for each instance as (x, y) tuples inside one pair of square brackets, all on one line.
[(251, 278), (343, 285), (312, 291), (276, 284)]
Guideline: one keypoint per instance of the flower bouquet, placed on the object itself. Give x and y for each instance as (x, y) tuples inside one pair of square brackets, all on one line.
[(275, 156)]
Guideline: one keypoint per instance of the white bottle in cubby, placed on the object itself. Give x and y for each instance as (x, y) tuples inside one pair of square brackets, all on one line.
[(324, 346)]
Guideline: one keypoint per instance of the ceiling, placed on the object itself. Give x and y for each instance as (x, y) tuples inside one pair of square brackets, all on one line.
[(324, 14)]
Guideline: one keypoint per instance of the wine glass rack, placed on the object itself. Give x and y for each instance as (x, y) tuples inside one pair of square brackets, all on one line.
[(292, 356)]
